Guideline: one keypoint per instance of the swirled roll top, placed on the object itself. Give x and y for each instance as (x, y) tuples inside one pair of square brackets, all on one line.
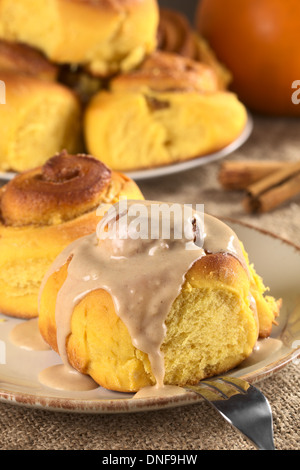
[(163, 71), (66, 187), (177, 36), (42, 211)]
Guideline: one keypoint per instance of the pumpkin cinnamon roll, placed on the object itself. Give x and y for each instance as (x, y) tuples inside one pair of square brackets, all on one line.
[(106, 36), (114, 311), (42, 211), (170, 109), (39, 119), (177, 36)]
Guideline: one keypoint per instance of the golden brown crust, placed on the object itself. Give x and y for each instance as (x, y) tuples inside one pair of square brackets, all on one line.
[(21, 58), (38, 226), (111, 35), (175, 34), (220, 267), (163, 71), (19, 85), (65, 187)]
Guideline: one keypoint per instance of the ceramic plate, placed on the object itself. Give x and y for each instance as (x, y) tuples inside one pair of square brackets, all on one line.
[(276, 260), (182, 166)]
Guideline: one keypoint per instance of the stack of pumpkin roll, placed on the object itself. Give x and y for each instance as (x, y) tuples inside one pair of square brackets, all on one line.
[(123, 80), (95, 88)]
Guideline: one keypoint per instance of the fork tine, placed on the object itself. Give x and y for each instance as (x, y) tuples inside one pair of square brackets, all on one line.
[(243, 406), (238, 383), (224, 388)]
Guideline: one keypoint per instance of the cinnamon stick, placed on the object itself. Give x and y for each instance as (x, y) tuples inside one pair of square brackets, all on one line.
[(273, 190), (240, 174)]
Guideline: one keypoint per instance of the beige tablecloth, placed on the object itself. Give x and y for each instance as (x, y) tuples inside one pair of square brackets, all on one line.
[(197, 426)]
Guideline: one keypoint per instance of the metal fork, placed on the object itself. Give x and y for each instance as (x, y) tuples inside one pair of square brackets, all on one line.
[(242, 405)]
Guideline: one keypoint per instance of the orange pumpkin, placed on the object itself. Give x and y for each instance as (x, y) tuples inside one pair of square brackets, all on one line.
[(259, 41)]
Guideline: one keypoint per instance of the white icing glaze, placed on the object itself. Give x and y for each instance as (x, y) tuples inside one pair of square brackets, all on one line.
[(143, 275)]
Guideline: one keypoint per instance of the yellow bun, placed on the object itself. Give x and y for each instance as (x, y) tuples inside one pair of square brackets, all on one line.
[(43, 211), (167, 111), (138, 130), (39, 119), (104, 35), (210, 328)]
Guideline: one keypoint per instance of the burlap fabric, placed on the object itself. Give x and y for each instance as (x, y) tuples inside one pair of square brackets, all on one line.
[(198, 426)]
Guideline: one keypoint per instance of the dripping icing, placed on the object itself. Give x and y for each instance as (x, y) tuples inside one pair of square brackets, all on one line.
[(144, 276)]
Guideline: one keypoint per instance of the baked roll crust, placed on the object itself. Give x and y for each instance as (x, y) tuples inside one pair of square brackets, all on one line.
[(106, 36), (40, 118), (162, 71), (67, 186), (42, 211), (169, 110), (21, 58), (177, 36)]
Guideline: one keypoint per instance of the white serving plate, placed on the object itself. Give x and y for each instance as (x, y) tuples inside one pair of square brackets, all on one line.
[(276, 260)]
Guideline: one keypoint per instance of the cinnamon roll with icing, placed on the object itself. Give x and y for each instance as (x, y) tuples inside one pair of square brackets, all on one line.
[(42, 211), (135, 311), (168, 110)]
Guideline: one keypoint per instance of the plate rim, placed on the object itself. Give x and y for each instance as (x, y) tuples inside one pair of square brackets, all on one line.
[(129, 405)]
